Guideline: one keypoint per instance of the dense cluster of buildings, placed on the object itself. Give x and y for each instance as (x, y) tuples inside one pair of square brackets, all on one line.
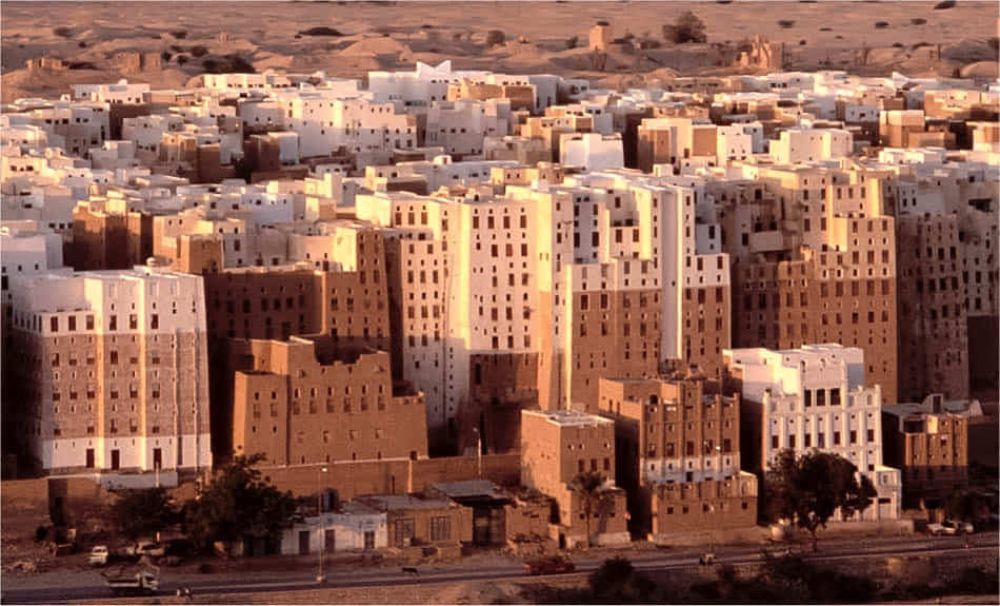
[(663, 287)]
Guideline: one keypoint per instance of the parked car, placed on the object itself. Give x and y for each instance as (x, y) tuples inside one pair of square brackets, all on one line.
[(550, 565), (960, 527), (99, 555), (939, 530), (146, 548)]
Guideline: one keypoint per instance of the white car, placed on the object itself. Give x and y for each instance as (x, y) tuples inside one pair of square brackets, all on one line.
[(959, 527), (99, 555), (940, 530), (146, 548)]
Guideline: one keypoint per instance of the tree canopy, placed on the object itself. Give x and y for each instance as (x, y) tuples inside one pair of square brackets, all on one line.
[(238, 504), (594, 495), (141, 513), (686, 28), (967, 505), (618, 582), (808, 490)]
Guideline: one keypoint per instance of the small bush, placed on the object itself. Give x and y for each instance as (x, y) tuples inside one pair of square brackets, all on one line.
[(994, 43), (687, 28), (182, 59), (82, 44), (918, 21), (786, 24), (839, 37), (944, 5), (198, 51), (495, 37), (881, 24), (572, 42), (180, 34), (63, 32), (165, 56), (321, 31), (426, 26), (230, 64), (897, 45), (802, 42)]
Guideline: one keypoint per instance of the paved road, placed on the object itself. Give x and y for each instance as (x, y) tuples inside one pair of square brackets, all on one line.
[(31, 590)]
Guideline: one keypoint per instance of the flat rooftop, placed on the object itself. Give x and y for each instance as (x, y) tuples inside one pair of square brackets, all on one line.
[(570, 418)]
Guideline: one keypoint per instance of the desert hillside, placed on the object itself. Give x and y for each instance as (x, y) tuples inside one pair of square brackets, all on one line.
[(183, 39)]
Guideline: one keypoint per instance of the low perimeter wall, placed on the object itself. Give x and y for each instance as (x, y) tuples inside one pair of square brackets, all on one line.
[(396, 476)]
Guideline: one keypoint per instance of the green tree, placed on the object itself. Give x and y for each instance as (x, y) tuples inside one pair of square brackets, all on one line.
[(142, 513), (686, 28), (495, 37), (967, 506), (809, 489), (594, 496), (238, 504)]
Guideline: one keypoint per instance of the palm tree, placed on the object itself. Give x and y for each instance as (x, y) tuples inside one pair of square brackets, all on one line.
[(594, 495)]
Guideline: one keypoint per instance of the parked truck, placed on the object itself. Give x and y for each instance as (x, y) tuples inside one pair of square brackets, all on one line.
[(133, 580)]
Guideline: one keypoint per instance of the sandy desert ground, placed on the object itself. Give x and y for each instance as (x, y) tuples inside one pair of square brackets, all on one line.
[(193, 36)]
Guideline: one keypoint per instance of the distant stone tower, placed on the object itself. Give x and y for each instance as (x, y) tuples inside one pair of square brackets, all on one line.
[(600, 36), (763, 54)]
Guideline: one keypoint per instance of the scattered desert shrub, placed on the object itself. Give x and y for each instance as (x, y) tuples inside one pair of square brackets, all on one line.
[(897, 45), (426, 26), (918, 21), (495, 37), (229, 64), (182, 59), (826, 29), (321, 31), (881, 24), (944, 5), (686, 28), (82, 44), (994, 43), (165, 56), (63, 32), (198, 51), (572, 42), (802, 42), (786, 24), (723, 1), (180, 34), (839, 37)]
